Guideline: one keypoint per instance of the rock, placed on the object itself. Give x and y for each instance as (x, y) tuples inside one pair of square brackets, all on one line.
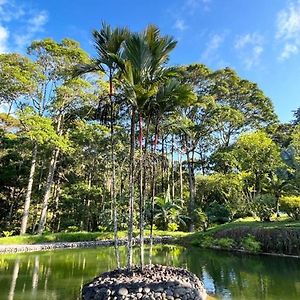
[(123, 291), (154, 282)]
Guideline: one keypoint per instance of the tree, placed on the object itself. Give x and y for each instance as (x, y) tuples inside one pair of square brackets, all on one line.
[(108, 44), (18, 77), (40, 130), (257, 155), (241, 106), (55, 92)]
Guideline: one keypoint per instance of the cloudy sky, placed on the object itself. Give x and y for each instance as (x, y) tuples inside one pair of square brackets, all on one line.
[(260, 39)]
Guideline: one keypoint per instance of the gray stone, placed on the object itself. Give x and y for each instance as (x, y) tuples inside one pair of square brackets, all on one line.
[(123, 291)]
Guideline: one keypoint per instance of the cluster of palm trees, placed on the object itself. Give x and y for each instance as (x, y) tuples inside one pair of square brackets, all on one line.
[(136, 66)]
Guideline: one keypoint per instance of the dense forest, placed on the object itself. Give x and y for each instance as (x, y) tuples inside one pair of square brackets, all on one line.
[(87, 142)]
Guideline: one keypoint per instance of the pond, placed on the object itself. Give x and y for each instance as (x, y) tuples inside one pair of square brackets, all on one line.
[(60, 274)]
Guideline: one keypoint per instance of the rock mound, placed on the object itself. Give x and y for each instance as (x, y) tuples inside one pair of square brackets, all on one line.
[(155, 282)]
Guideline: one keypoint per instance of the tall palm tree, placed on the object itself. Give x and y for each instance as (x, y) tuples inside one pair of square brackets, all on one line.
[(144, 57), (108, 43)]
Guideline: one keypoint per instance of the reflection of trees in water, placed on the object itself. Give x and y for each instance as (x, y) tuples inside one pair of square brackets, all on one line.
[(60, 274), (14, 280), (247, 276)]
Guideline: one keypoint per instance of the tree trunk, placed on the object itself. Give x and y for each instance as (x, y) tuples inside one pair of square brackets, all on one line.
[(153, 183), (113, 169), (180, 176), (49, 181), (29, 190), (141, 192), (50, 176), (191, 188), (131, 189), (172, 172)]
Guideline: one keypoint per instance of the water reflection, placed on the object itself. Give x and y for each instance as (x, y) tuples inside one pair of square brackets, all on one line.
[(60, 274)]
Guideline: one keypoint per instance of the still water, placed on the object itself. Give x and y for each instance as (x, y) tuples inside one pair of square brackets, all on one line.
[(60, 274)]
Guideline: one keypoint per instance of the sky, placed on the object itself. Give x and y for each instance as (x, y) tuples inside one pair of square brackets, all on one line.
[(260, 39)]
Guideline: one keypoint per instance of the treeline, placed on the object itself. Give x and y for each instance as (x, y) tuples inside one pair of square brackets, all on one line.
[(85, 140)]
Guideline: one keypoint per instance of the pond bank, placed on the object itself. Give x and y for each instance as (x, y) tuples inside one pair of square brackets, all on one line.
[(273, 238), (83, 244)]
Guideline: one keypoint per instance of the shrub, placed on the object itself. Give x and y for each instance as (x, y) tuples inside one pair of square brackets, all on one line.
[(7, 233), (291, 205), (225, 243), (72, 229), (173, 226), (264, 206), (200, 219), (217, 213), (205, 242), (249, 243)]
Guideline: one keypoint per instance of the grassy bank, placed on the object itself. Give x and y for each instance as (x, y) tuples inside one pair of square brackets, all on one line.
[(280, 237), (77, 237)]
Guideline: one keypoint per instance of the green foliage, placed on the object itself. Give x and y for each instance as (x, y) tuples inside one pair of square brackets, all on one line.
[(291, 205), (173, 227), (72, 229), (225, 189), (225, 243), (264, 206), (8, 233), (201, 220), (217, 213), (249, 243), (18, 75)]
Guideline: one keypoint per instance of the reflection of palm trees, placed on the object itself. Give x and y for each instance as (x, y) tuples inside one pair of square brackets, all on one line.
[(14, 280)]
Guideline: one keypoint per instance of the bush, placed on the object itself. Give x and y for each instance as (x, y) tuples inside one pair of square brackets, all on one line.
[(291, 205), (225, 243), (264, 206), (249, 243), (217, 213), (200, 219), (72, 229), (173, 226)]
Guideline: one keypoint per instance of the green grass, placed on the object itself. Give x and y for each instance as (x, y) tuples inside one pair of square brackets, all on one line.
[(77, 237)]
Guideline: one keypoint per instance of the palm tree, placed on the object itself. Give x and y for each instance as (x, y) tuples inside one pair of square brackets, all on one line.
[(108, 43), (144, 57)]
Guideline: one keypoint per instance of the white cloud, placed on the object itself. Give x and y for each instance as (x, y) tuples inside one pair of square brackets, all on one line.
[(4, 34), (180, 25), (288, 50), (27, 23), (288, 30), (34, 25), (250, 49), (212, 46)]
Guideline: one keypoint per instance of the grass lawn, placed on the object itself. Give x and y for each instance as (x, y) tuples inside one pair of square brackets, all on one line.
[(77, 237)]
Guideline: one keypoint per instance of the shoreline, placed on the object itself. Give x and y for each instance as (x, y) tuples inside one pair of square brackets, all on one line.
[(23, 248)]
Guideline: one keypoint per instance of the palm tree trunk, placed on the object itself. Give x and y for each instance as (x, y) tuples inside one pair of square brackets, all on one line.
[(131, 189), (141, 192), (153, 183), (191, 188), (113, 169), (29, 190), (180, 176), (172, 171)]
